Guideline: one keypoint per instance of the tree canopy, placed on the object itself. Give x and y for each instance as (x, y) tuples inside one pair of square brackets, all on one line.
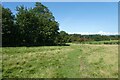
[(30, 26)]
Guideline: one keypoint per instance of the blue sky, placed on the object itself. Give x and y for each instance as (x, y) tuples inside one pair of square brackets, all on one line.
[(80, 17)]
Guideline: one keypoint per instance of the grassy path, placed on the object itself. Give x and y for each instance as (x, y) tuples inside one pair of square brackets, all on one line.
[(91, 61), (71, 65)]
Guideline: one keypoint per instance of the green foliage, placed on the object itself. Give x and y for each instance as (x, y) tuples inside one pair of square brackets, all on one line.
[(64, 36), (90, 38), (8, 27), (47, 25), (0, 25), (33, 26), (28, 26)]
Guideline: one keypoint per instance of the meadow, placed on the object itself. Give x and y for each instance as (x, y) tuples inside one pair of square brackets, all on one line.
[(102, 42), (74, 61)]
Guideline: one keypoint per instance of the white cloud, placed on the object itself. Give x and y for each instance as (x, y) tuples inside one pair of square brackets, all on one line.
[(90, 33)]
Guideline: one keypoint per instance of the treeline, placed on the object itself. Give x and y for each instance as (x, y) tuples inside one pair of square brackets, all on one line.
[(96, 37), (29, 27), (37, 27), (85, 38)]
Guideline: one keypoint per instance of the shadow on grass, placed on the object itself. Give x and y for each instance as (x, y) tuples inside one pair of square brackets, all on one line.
[(35, 45)]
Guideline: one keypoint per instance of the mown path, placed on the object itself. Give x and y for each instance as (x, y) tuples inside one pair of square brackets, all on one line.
[(87, 61)]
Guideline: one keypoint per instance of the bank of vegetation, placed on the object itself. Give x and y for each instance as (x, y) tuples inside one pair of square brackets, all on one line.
[(37, 27)]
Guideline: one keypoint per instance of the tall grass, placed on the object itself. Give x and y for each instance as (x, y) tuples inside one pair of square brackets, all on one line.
[(74, 61)]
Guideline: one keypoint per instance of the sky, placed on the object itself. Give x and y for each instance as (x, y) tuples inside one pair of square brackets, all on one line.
[(80, 17)]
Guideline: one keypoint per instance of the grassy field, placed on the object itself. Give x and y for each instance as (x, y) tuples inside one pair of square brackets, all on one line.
[(102, 42), (74, 61)]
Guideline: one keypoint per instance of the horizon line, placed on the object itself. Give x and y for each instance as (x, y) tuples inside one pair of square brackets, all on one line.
[(95, 33)]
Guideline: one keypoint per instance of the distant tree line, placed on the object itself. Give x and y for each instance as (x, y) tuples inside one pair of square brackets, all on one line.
[(37, 26), (84, 38)]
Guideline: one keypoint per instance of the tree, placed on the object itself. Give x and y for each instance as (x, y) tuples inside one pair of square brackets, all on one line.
[(47, 25), (64, 36), (0, 25), (37, 25), (31, 26), (28, 26), (8, 28)]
